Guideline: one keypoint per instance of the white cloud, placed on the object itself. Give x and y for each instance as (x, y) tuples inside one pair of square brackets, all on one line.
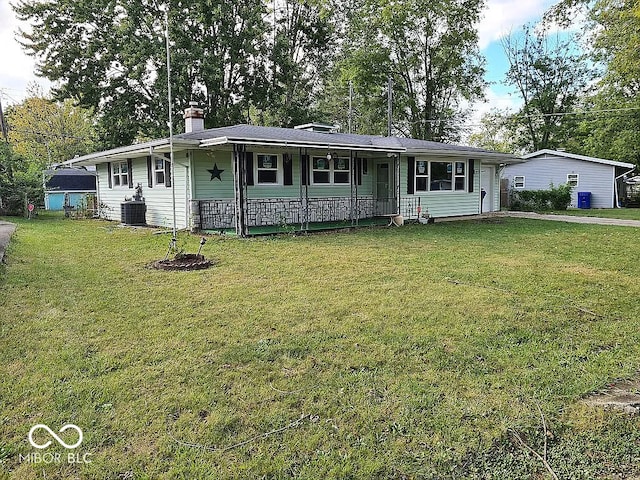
[(18, 68), (501, 17), (495, 100)]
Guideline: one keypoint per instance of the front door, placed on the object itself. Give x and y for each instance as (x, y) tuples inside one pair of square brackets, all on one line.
[(487, 179), (384, 195)]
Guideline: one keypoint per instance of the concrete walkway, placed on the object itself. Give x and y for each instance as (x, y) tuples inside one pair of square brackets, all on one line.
[(573, 219), (6, 230)]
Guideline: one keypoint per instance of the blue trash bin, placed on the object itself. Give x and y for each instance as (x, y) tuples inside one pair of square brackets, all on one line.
[(584, 199)]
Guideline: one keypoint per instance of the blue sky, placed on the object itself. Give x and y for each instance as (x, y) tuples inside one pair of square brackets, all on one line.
[(499, 18)]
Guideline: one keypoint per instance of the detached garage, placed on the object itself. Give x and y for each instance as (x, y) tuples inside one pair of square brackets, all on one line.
[(600, 178)]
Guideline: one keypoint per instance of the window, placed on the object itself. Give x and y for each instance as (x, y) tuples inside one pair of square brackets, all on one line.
[(321, 171), (518, 181), (335, 171), (422, 175), (158, 171), (460, 176), (440, 176), (572, 179), (340, 170), (267, 169), (120, 174)]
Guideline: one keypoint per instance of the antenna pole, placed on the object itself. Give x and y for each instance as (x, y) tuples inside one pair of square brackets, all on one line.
[(350, 105), (389, 105), (173, 177)]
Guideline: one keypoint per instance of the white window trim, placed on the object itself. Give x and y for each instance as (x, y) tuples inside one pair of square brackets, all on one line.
[(279, 170), (577, 180), (428, 176), (516, 182), (331, 172), (156, 170), (119, 175)]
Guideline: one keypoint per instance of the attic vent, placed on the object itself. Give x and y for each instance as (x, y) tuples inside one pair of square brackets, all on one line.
[(317, 127)]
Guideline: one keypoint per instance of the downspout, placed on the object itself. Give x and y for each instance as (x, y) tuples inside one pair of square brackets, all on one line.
[(98, 202), (615, 186), (191, 192), (479, 185), (187, 193), (396, 174)]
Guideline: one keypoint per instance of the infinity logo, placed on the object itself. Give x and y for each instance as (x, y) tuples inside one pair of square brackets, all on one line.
[(56, 437)]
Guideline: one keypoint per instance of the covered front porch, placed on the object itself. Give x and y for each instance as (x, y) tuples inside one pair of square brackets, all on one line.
[(310, 189)]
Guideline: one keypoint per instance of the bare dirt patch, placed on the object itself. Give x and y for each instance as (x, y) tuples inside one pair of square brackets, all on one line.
[(623, 395)]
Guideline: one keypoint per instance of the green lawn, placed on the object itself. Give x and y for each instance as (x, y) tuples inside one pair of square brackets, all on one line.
[(623, 213), (411, 352)]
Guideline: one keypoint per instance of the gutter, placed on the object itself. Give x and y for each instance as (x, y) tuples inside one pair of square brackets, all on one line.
[(122, 152), (298, 144)]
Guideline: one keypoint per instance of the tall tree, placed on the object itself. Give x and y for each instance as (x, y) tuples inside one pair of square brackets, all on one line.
[(615, 131), (45, 132), (429, 48), (110, 55), (494, 132), (551, 77), (612, 40), (300, 54)]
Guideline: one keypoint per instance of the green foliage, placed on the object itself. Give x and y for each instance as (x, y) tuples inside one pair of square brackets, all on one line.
[(227, 56), (613, 38), (299, 56), (494, 132), (47, 132), (550, 78), (429, 48), (555, 198), (20, 182)]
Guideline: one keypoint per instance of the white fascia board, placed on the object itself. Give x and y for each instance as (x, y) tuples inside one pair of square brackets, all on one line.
[(285, 144), (486, 157), (575, 156), (129, 151)]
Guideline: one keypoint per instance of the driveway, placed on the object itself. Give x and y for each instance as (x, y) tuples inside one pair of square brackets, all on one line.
[(6, 230), (574, 219)]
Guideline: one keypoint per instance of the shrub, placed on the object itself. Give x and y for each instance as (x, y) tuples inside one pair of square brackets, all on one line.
[(555, 198)]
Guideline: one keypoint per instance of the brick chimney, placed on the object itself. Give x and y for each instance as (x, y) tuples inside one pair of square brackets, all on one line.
[(193, 118)]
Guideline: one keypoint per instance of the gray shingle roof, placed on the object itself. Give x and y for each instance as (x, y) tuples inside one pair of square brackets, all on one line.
[(290, 137), (276, 134)]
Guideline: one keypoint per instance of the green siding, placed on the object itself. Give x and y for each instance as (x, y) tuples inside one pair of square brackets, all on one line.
[(205, 188), (444, 204)]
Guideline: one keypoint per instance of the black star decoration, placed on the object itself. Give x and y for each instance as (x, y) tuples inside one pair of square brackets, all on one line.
[(215, 172)]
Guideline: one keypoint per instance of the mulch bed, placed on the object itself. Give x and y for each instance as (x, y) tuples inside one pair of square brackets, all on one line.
[(184, 262)]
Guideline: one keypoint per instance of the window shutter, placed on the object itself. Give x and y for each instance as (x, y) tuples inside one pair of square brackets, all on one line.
[(304, 159), (248, 159), (471, 168), (130, 172), (149, 172), (359, 169), (109, 175), (287, 162), (411, 174), (167, 170)]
